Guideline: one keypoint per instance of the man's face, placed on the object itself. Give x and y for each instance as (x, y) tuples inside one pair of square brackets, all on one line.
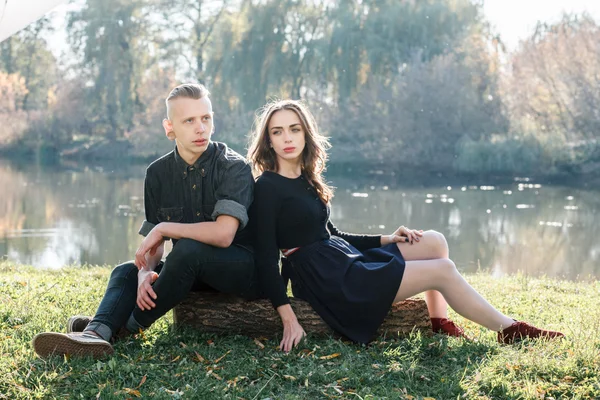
[(190, 124)]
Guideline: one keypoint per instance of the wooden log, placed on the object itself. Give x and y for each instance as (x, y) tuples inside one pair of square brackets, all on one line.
[(220, 313)]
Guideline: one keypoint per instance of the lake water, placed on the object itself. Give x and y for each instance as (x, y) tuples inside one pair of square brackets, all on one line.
[(54, 216)]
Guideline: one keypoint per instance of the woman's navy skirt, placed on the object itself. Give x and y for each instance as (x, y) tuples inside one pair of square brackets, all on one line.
[(351, 290)]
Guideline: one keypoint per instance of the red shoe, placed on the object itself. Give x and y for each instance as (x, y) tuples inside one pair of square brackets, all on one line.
[(521, 330), (445, 326)]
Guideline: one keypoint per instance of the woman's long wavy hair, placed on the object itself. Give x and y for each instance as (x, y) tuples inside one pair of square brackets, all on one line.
[(314, 156)]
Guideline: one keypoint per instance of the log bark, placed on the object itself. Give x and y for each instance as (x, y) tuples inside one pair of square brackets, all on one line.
[(220, 313)]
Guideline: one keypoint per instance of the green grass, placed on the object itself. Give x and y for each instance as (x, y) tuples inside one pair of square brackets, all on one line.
[(167, 364)]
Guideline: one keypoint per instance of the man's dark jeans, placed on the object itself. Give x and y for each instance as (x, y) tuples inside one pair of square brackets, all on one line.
[(190, 265)]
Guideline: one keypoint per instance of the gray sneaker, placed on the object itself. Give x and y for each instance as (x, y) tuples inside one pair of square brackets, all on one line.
[(78, 323), (78, 344)]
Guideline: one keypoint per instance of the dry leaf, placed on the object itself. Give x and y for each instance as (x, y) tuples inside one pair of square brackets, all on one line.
[(210, 342), (142, 381), (329, 357), (182, 345), (291, 378), (199, 357), (211, 373), (222, 357), (259, 344), (429, 398), (132, 392), (176, 358)]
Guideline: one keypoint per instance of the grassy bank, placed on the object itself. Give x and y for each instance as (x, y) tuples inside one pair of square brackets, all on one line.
[(167, 364)]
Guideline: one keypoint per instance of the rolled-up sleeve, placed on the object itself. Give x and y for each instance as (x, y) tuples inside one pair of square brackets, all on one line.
[(150, 205), (234, 192)]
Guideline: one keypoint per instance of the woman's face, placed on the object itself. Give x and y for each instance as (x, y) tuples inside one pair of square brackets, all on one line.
[(286, 135)]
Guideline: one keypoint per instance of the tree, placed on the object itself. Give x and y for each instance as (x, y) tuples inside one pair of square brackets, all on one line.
[(108, 34)]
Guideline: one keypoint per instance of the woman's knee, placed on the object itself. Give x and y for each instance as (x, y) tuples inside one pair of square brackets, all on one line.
[(438, 243), (448, 267)]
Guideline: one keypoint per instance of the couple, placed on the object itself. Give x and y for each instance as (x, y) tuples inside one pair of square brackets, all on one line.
[(199, 196)]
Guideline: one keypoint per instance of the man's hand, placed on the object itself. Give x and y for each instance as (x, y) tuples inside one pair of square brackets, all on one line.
[(149, 245), (145, 293)]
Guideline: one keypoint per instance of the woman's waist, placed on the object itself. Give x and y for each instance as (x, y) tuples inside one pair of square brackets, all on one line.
[(304, 250)]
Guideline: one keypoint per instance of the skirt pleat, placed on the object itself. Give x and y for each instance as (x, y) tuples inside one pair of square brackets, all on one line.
[(351, 290)]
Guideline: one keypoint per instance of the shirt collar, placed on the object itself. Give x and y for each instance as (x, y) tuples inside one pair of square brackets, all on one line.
[(183, 167)]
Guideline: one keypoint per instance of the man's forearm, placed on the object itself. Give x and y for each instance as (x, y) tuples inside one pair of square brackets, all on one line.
[(212, 233)]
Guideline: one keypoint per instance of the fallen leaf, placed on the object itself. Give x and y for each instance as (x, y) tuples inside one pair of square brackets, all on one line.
[(259, 344), (429, 398), (222, 357), (142, 381), (132, 392), (210, 342), (176, 358), (291, 378), (183, 345), (200, 358), (211, 373), (329, 357)]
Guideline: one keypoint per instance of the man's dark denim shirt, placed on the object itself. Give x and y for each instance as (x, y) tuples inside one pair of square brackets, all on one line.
[(219, 183)]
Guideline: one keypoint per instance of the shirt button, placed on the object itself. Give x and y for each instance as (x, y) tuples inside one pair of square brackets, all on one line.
[(194, 187), (168, 217), (198, 214), (191, 168)]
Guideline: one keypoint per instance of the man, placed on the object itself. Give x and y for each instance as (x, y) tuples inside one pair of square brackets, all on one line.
[(197, 195)]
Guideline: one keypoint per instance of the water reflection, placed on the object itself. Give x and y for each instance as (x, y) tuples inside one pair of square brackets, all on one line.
[(55, 217)]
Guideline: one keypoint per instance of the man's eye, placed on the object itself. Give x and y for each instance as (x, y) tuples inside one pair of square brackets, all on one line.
[(189, 120)]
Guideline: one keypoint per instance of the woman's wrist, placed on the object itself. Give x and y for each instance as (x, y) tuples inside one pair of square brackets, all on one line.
[(286, 314)]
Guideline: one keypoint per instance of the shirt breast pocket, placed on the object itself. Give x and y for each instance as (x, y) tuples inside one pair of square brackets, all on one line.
[(171, 214)]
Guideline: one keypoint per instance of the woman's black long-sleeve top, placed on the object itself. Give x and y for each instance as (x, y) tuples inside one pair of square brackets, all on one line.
[(288, 213)]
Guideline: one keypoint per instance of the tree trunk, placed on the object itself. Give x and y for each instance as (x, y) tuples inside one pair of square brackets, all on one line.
[(220, 313)]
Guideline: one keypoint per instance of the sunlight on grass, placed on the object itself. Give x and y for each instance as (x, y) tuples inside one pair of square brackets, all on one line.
[(168, 364)]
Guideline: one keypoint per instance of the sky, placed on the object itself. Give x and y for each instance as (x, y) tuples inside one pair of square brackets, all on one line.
[(516, 19), (512, 19)]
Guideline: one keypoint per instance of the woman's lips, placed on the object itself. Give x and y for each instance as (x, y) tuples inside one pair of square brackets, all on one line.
[(289, 149)]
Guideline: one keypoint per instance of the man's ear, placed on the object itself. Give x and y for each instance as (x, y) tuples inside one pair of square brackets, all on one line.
[(168, 129)]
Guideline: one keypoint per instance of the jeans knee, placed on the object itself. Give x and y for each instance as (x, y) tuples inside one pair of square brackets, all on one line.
[(124, 270), (188, 252)]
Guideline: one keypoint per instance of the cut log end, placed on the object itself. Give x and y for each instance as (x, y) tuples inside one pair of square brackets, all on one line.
[(213, 312)]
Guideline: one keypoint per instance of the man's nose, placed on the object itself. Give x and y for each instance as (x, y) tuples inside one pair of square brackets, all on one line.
[(201, 128)]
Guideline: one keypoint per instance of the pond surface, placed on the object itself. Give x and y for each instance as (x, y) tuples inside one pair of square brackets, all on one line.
[(51, 217)]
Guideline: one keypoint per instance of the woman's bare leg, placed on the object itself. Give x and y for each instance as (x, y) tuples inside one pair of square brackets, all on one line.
[(442, 275), (432, 245)]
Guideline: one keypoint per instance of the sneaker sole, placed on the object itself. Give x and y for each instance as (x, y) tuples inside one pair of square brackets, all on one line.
[(58, 344)]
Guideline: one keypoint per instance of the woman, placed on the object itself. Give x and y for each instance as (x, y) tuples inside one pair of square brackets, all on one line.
[(351, 281)]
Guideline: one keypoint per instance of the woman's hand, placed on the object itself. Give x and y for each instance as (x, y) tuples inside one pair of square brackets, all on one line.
[(292, 330), (292, 335), (402, 235)]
